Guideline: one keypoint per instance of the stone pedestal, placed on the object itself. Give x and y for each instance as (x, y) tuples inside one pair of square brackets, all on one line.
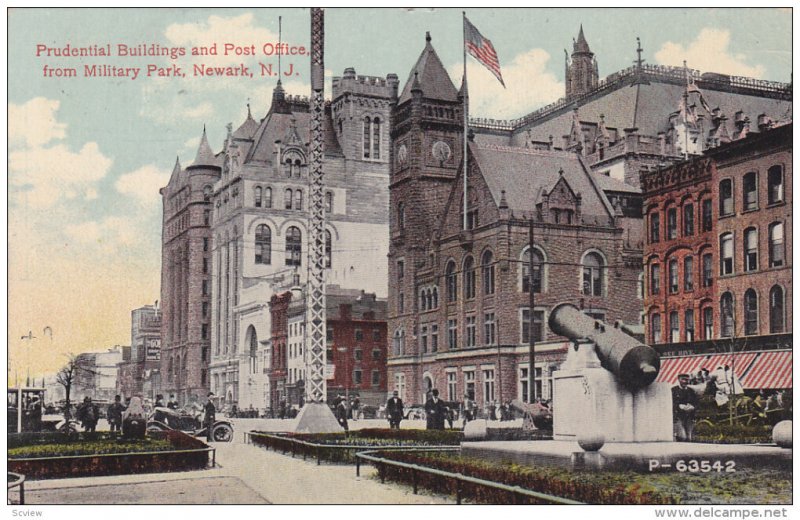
[(317, 418), (587, 397)]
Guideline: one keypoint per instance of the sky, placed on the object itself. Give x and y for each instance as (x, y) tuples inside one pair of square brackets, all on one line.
[(87, 155)]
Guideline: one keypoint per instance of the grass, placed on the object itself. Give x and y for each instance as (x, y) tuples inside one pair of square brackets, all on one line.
[(98, 447), (384, 437)]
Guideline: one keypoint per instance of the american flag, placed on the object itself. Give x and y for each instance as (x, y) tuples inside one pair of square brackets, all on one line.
[(481, 49)]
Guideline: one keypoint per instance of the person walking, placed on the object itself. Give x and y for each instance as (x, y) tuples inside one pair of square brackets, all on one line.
[(341, 412), (394, 409), (209, 416), (114, 413), (684, 404), (88, 414), (435, 410)]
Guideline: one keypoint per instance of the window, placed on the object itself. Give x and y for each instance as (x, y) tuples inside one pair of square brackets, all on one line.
[(750, 249), (655, 279), (434, 338), (708, 323), (205, 309), (708, 275), (204, 331), (401, 303), (452, 282), (688, 273), (750, 312), (401, 271), (206, 193), (523, 385), (538, 262), (376, 377), (489, 328), (399, 342), (725, 197), (750, 191), (776, 314), (376, 354), (205, 265), (469, 278), (487, 263), (776, 244), (372, 138), (294, 246), (287, 199), (357, 376), (593, 275), (452, 394), (726, 253), (376, 335), (708, 219), (328, 202), (206, 217), (655, 328), (263, 244), (673, 276), (471, 331), (401, 216), (358, 334), (358, 354), (205, 288), (775, 184), (257, 196), (688, 324), (469, 384), (329, 334), (205, 244), (298, 199), (688, 219), (267, 197), (253, 349), (525, 325), (423, 337), (654, 227), (674, 327), (452, 334), (672, 223), (640, 286), (726, 314), (488, 386)]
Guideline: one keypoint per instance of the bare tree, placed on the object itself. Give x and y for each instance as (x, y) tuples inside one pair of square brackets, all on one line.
[(67, 377)]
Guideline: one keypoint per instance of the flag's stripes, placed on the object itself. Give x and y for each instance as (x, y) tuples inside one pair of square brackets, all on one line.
[(481, 49)]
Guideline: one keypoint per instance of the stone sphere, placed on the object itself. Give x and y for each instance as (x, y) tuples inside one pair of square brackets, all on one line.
[(782, 434), (591, 441)]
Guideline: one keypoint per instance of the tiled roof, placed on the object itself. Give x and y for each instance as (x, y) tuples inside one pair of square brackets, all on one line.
[(432, 76), (607, 183)]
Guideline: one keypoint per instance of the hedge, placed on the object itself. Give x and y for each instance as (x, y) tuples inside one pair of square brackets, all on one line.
[(723, 433)]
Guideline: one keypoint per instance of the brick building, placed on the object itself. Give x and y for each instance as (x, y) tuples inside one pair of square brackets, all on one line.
[(135, 374), (278, 367), (739, 295)]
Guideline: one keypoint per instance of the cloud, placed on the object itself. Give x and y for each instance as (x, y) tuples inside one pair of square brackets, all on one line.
[(709, 52), (143, 184), (529, 85), (34, 123)]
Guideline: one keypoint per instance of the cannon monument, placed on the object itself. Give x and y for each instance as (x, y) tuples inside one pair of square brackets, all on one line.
[(606, 387)]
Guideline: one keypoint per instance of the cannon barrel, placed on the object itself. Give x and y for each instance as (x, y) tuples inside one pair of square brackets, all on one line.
[(634, 364)]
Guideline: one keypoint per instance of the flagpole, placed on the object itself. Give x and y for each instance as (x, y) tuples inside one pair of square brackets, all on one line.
[(466, 108)]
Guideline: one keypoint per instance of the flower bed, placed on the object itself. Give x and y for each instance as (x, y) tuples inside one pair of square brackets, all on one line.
[(723, 433), (43, 456)]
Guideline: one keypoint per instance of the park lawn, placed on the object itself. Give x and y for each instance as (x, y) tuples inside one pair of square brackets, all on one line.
[(89, 447)]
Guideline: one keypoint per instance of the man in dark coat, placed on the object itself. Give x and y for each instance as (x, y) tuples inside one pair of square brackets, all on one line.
[(114, 413), (436, 411), (394, 410), (684, 404), (209, 416), (172, 404), (89, 414), (341, 412)]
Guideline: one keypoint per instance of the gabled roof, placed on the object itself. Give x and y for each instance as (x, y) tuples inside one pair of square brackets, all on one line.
[(432, 77), (523, 174)]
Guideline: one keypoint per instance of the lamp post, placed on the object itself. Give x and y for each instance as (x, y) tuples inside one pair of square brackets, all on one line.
[(344, 350)]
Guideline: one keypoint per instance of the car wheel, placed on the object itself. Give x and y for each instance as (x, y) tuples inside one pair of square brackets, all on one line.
[(222, 433)]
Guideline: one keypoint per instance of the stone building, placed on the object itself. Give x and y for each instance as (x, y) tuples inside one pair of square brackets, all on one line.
[(260, 221), (135, 374)]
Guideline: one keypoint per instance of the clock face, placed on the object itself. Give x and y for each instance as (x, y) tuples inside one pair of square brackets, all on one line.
[(441, 151), (402, 155)]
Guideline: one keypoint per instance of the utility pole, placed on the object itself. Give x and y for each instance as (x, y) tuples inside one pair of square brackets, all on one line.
[(531, 303)]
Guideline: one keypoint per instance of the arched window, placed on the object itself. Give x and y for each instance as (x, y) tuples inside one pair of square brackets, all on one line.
[(776, 244), (429, 299), (267, 197), (688, 273), (750, 249), (376, 138), (655, 327), (674, 327), (593, 276), (750, 312), (287, 199), (750, 191), (688, 219), (328, 249), (451, 280), (776, 312), (423, 303), (399, 342), (726, 314), (775, 184), (487, 263), (257, 196), (298, 199), (673, 276), (366, 144), (294, 246), (263, 244), (401, 216), (725, 197), (469, 278), (538, 263), (435, 297), (726, 254), (287, 166), (328, 202), (253, 344)]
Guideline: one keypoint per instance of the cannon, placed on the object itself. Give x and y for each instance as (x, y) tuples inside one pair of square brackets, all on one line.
[(634, 364)]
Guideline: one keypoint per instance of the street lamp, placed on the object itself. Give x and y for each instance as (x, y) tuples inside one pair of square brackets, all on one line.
[(344, 350)]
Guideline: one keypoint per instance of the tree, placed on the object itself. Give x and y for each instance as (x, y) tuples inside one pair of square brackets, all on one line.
[(67, 377)]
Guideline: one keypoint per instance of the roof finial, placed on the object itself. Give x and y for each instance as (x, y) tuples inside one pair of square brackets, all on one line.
[(428, 36)]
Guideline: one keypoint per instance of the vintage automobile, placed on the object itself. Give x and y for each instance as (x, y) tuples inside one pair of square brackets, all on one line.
[(190, 422)]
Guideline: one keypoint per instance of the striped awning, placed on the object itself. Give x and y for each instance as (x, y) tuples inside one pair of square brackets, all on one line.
[(771, 370), (740, 362), (671, 367)]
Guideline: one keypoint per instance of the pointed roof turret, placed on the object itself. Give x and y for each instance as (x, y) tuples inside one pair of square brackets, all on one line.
[(176, 170), (205, 156), (580, 44), (463, 90), (247, 129), (431, 77)]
